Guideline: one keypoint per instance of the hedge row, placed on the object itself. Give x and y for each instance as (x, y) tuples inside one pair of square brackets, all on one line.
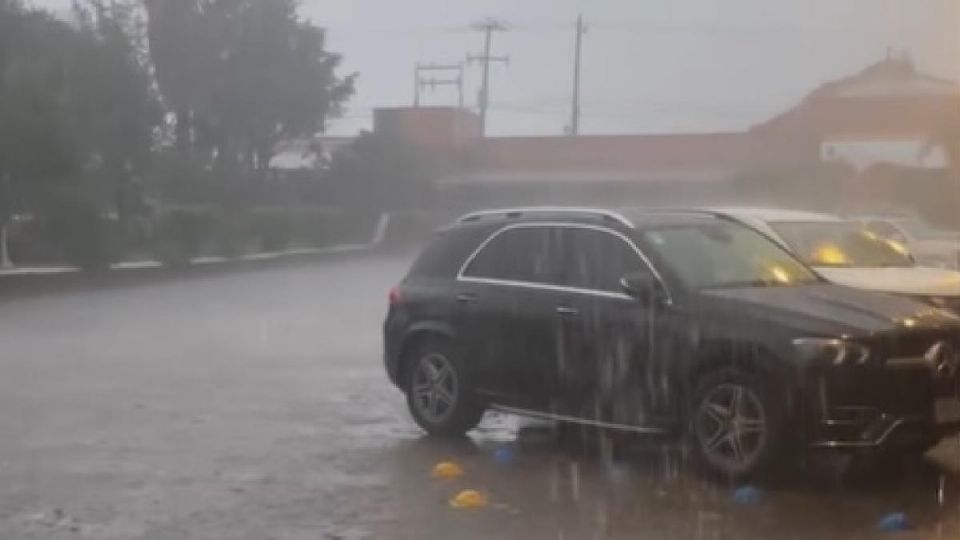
[(81, 237), (182, 234)]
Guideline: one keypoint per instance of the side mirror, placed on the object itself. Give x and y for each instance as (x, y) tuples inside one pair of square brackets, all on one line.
[(642, 287)]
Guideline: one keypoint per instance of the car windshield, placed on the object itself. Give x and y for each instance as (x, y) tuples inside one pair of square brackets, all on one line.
[(725, 255), (840, 244), (921, 230)]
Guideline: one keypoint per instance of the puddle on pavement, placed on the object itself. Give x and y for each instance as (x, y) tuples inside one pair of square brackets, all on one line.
[(586, 490)]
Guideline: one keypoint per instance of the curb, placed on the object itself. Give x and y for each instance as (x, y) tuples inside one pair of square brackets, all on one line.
[(54, 281)]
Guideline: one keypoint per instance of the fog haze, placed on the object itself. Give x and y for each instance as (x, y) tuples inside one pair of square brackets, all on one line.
[(655, 66)]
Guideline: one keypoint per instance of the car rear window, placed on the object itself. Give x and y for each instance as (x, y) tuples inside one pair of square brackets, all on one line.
[(528, 254), (447, 251)]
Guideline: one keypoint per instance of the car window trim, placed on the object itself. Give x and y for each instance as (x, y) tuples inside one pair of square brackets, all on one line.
[(561, 288), (544, 287)]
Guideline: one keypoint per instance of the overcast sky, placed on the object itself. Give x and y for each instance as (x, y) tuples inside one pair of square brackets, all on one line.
[(649, 65)]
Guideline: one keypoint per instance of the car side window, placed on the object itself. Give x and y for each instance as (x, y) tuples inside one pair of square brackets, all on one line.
[(525, 254), (597, 260)]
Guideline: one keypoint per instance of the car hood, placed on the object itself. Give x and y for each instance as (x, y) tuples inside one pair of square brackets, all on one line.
[(914, 280), (829, 309)]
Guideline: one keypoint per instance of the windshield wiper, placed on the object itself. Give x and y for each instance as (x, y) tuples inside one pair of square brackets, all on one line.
[(747, 284)]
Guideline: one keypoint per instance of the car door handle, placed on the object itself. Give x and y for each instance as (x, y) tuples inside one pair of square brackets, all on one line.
[(567, 311), (467, 298)]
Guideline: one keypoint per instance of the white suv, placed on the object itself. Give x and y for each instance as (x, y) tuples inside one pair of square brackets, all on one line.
[(931, 247), (848, 253)]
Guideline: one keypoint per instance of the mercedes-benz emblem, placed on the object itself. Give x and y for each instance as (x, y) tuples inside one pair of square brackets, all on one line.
[(943, 359)]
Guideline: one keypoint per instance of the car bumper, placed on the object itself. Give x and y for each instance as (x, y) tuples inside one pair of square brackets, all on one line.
[(899, 432), (392, 338), (900, 409)]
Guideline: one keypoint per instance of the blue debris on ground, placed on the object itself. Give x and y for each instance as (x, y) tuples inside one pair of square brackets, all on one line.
[(894, 522), (503, 455), (747, 495)]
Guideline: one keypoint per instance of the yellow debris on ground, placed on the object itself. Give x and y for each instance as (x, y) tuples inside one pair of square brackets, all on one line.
[(469, 498), (447, 469)]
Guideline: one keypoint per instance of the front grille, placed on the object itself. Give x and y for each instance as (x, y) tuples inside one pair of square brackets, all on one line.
[(900, 380), (912, 345), (895, 392)]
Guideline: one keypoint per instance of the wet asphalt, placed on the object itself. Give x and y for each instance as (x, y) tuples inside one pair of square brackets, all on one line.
[(253, 405)]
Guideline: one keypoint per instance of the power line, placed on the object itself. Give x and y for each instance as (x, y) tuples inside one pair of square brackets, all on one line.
[(532, 109), (421, 82), (488, 27)]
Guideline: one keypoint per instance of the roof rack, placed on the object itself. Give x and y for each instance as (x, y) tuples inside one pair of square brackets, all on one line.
[(519, 212), (717, 213)]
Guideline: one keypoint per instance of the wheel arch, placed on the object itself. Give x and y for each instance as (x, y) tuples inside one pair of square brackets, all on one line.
[(417, 334), (748, 357)]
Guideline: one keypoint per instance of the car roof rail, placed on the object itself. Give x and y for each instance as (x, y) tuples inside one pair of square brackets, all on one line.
[(508, 213), (718, 213)]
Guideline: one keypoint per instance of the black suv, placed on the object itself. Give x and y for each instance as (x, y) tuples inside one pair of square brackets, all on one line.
[(680, 323)]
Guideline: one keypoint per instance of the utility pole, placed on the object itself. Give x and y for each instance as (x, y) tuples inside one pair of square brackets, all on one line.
[(420, 81), (416, 85), (488, 27), (6, 210), (575, 113)]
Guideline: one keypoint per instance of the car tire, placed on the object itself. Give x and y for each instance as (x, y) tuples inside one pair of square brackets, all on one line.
[(441, 393), (735, 424)]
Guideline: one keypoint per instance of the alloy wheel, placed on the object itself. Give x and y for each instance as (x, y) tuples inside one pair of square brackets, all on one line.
[(731, 427), (435, 388)]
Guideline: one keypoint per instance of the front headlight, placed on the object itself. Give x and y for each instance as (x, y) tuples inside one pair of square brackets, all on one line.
[(834, 352)]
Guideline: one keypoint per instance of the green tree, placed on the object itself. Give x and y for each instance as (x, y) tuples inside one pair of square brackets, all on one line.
[(241, 75), (76, 111), (279, 79), (116, 110), (183, 53), (36, 146)]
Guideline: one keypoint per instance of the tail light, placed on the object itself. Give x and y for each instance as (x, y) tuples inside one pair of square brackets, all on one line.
[(394, 296)]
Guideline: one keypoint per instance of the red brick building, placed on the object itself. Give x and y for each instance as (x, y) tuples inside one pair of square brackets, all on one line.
[(880, 119)]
